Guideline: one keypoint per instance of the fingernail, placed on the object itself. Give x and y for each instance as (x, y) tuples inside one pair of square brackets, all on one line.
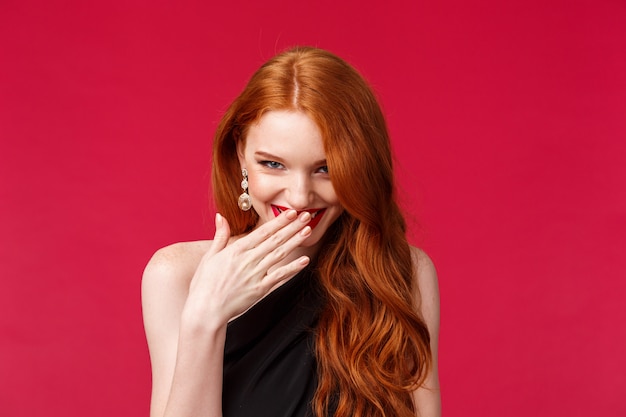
[(304, 260), (305, 217), (292, 214), (306, 231), (218, 220)]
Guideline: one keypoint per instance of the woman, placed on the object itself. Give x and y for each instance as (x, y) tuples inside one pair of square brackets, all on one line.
[(309, 300)]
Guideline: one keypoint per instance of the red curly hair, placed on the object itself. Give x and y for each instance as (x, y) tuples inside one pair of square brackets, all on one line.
[(372, 348)]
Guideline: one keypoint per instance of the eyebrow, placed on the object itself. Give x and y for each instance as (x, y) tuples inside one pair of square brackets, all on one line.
[(268, 155)]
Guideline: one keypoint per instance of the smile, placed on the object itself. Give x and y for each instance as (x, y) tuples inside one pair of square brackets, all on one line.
[(316, 214)]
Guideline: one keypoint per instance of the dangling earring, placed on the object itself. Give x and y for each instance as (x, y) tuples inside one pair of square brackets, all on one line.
[(245, 203)]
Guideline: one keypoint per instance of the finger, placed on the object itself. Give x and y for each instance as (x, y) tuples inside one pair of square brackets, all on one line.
[(285, 273), (286, 233), (276, 249), (269, 229), (222, 234)]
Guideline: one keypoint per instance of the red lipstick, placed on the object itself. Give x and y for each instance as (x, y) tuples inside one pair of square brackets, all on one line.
[(316, 214)]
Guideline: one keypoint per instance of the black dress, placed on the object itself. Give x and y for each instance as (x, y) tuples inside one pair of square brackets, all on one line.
[(269, 361)]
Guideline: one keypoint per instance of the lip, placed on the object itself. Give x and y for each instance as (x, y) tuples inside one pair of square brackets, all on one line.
[(316, 214)]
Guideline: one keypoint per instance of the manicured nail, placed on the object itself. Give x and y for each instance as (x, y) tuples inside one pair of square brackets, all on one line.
[(292, 214), (306, 231), (305, 217), (218, 220), (304, 260)]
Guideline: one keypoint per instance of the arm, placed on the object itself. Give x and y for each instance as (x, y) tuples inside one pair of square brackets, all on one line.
[(427, 398), (164, 288), (190, 295)]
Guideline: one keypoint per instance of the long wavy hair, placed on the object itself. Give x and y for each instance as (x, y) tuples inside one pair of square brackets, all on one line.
[(372, 348)]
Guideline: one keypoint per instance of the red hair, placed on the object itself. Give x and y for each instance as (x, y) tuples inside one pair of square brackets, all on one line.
[(372, 348)]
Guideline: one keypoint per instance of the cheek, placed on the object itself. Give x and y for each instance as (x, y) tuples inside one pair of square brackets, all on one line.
[(329, 196), (261, 188)]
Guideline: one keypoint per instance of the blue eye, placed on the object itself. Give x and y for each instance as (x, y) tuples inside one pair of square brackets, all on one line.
[(272, 164), (323, 169)]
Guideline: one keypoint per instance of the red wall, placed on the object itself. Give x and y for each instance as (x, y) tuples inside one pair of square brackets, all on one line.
[(509, 123)]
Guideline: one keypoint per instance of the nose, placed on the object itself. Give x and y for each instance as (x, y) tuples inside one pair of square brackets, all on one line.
[(300, 192)]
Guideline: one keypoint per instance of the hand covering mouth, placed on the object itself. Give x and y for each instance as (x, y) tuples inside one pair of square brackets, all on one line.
[(316, 214)]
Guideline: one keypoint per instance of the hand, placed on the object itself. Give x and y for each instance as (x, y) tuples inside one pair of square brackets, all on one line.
[(232, 277)]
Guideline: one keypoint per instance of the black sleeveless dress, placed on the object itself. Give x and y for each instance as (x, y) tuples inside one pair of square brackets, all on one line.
[(269, 360)]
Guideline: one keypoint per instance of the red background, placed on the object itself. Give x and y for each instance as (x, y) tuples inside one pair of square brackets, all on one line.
[(509, 124)]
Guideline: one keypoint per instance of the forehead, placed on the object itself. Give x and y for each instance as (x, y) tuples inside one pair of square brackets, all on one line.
[(286, 133)]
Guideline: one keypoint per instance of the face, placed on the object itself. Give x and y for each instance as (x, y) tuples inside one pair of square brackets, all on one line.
[(286, 164)]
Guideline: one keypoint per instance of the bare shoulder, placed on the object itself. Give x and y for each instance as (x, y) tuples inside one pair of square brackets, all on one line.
[(176, 260), (166, 278), (426, 292), (426, 281)]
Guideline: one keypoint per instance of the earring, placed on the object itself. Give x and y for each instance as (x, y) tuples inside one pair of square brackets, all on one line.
[(245, 203)]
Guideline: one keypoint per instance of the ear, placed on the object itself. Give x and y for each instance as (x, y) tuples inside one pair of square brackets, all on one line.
[(241, 147)]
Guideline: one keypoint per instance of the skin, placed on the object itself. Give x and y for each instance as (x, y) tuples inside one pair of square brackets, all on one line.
[(191, 290), (286, 163)]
